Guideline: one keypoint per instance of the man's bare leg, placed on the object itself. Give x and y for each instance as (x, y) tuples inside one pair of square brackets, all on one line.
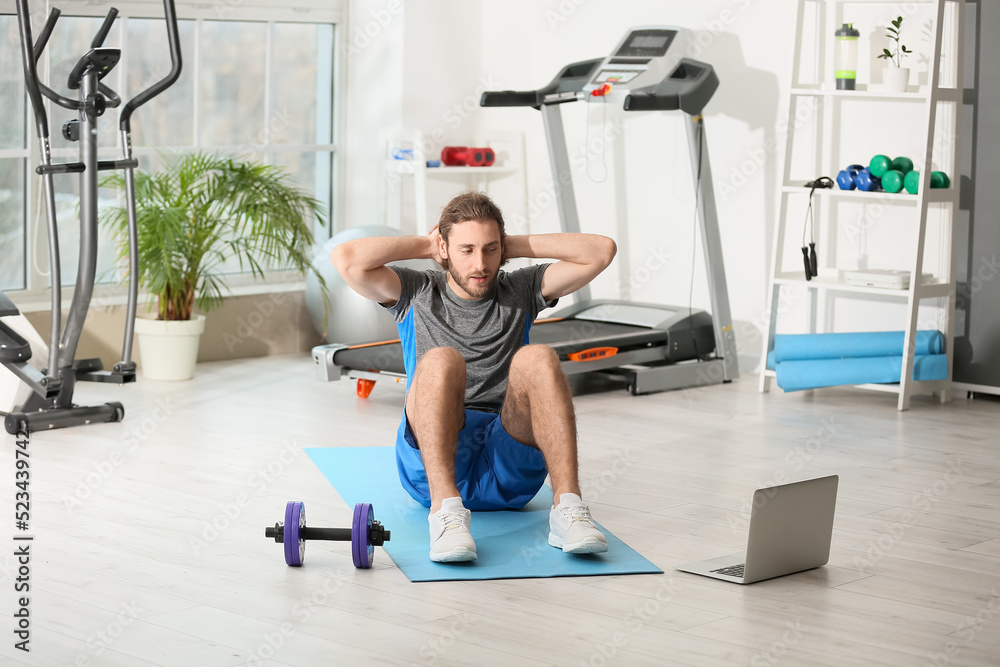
[(435, 408), (538, 411)]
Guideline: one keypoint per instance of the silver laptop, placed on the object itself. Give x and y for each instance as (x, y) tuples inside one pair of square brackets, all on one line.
[(790, 530)]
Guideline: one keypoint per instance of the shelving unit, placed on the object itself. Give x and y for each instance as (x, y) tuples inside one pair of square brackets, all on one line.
[(509, 149), (931, 98)]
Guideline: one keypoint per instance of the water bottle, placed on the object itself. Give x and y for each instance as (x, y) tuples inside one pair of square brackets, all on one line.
[(847, 56)]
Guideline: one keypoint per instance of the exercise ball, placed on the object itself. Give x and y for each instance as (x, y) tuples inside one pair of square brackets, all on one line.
[(350, 318)]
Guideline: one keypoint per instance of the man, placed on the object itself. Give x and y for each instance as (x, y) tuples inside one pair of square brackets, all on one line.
[(486, 415)]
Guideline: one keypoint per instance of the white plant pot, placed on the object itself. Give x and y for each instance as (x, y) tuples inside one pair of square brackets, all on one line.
[(169, 348), (895, 79)]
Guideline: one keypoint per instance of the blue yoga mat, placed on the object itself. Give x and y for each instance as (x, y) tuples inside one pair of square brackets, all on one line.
[(816, 373), (510, 544), (798, 347)]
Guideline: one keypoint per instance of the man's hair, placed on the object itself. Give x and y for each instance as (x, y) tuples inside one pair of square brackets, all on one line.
[(470, 206)]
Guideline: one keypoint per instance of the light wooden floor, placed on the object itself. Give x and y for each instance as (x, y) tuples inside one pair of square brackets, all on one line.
[(149, 546)]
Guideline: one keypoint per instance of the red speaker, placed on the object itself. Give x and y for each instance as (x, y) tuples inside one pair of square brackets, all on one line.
[(458, 156)]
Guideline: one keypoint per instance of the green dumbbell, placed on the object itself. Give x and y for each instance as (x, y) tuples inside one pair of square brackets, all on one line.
[(903, 165), (892, 180), (879, 165), (911, 181)]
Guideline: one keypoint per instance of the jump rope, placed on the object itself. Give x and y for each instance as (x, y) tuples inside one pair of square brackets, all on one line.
[(809, 253)]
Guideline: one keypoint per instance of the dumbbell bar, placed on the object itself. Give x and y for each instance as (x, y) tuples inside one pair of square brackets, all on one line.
[(364, 535)]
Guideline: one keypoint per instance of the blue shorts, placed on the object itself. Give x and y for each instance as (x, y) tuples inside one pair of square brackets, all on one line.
[(493, 471)]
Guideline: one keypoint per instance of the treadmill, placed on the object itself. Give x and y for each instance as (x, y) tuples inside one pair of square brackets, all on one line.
[(650, 347)]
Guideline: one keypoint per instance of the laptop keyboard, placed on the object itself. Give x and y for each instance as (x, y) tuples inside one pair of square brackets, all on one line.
[(731, 571)]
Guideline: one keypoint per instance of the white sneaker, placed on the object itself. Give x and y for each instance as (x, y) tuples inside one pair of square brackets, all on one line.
[(451, 541), (572, 529)]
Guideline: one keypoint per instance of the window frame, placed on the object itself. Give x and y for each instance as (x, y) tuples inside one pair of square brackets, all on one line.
[(35, 296)]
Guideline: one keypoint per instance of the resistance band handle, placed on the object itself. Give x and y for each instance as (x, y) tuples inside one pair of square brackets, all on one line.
[(805, 262)]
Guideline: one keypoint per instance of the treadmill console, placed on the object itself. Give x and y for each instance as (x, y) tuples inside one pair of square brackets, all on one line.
[(646, 71), (642, 58)]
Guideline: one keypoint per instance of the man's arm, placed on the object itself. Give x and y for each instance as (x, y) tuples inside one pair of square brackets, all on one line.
[(362, 262), (581, 257)]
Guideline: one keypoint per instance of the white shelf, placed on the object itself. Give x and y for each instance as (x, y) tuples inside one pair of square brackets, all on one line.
[(919, 108), (404, 167), (508, 146), (863, 92), (936, 196), (922, 386), (838, 284)]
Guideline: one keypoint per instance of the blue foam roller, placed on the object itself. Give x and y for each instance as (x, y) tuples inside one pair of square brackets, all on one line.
[(796, 347), (816, 373)]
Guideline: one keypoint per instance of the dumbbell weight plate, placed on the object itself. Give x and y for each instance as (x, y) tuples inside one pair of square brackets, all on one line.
[(295, 520), (361, 546)]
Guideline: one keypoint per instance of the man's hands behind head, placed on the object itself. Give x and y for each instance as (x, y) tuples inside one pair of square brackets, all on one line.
[(434, 238)]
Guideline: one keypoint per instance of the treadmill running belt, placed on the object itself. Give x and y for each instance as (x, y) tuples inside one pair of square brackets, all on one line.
[(566, 336), (380, 357), (572, 335)]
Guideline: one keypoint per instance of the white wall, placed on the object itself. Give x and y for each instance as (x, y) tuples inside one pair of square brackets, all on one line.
[(437, 55), (372, 49)]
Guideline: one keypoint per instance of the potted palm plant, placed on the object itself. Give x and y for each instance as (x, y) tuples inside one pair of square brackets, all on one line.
[(195, 214)]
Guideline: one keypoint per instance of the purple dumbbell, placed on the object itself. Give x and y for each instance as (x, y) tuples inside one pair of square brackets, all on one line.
[(364, 534)]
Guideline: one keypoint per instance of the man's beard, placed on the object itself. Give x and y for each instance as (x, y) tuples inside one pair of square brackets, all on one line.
[(473, 289)]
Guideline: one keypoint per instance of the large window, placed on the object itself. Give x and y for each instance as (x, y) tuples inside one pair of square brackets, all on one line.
[(259, 90), (13, 154)]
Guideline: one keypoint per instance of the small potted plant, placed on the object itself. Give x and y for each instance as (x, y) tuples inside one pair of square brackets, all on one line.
[(196, 213), (894, 76)]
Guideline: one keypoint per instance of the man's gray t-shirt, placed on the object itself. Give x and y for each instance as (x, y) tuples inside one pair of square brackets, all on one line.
[(487, 331)]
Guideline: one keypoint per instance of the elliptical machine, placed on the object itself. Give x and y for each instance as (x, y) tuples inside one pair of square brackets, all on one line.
[(51, 403)]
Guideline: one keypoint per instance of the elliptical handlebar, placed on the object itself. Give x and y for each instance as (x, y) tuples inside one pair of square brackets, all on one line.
[(29, 58), (173, 36), (32, 54), (102, 34), (43, 39), (113, 100), (31, 70)]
